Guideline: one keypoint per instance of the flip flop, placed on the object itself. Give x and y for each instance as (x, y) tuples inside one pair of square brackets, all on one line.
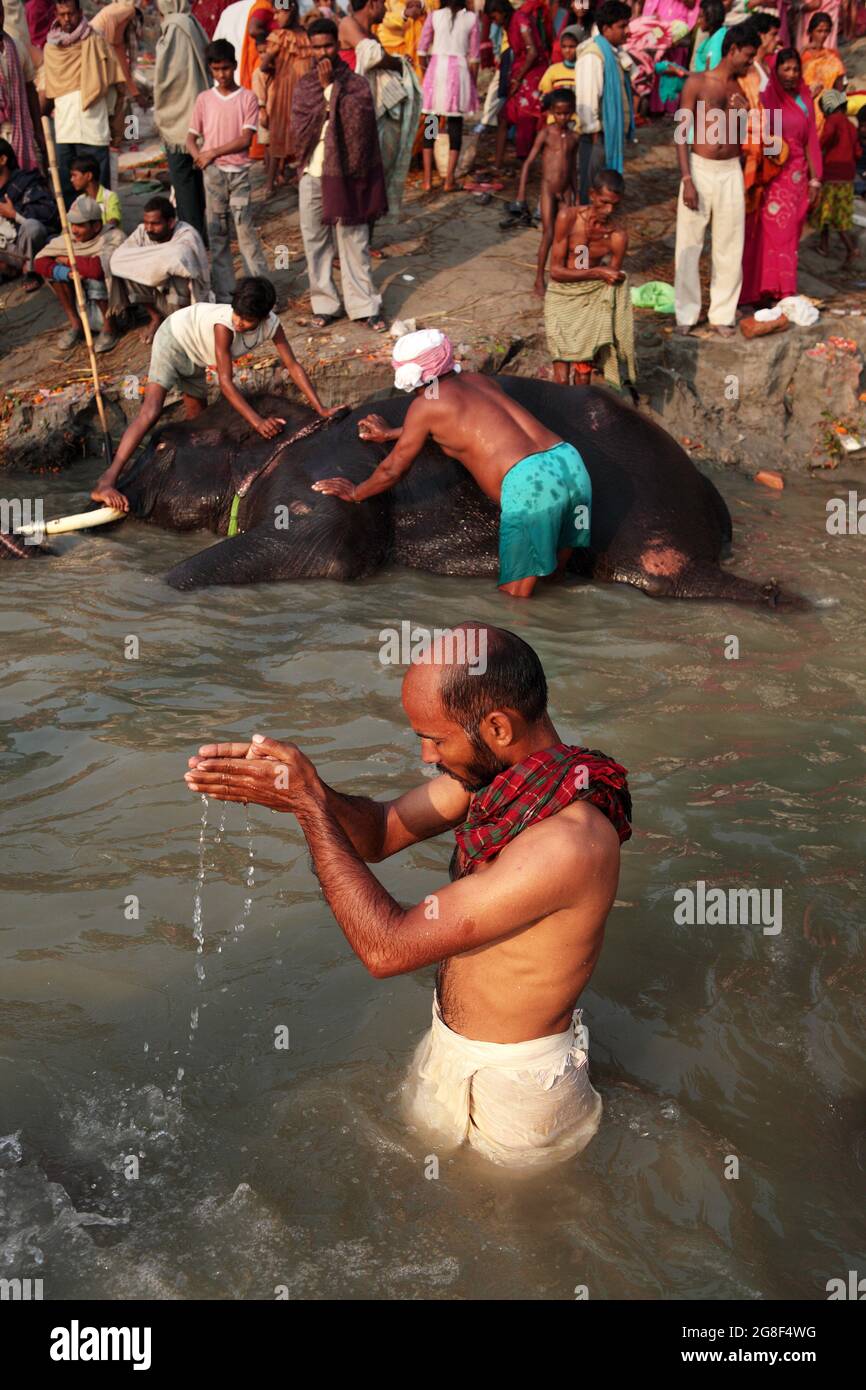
[(70, 339), (376, 323), (324, 320)]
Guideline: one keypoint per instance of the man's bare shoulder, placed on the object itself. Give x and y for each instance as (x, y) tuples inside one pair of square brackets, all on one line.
[(693, 86), (472, 380), (461, 385), (567, 217), (579, 841)]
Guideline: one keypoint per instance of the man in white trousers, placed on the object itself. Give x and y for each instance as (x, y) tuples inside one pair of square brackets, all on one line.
[(709, 131)]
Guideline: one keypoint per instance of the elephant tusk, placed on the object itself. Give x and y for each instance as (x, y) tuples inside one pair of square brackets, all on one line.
[(100, 516)]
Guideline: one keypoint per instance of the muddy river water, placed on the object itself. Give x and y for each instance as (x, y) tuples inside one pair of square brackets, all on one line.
[(155, 1143)]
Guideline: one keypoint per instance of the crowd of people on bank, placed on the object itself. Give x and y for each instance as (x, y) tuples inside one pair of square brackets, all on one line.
[(338, 100)]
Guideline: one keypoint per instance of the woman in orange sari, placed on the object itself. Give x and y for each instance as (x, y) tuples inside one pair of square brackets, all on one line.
[(259, 24), (822, 66), (288, 56), (400, 30)]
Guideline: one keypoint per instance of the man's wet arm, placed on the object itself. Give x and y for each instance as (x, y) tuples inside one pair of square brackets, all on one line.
[(380, 829)]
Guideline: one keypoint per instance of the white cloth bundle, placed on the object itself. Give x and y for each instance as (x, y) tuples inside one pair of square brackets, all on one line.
[(796, 308)]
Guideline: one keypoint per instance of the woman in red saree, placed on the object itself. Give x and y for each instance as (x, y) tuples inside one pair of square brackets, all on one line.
[(40, 17), (529, 39), (207, 12), (770, 256)]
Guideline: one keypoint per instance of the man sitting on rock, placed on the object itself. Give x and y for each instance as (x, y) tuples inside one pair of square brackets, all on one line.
[(93, 247), (163, 265), (28, 216)]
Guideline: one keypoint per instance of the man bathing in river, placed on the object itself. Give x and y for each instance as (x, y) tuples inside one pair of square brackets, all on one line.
[(516, 933), (539, 482)]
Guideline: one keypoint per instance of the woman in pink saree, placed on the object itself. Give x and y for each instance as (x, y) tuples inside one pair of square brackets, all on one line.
[(770, 256), (667, 11), (808, 9)]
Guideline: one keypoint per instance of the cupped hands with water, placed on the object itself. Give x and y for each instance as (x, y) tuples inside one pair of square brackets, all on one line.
[(276, 775)]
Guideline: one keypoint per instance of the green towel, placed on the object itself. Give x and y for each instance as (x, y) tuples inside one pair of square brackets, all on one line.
[(655, 294)]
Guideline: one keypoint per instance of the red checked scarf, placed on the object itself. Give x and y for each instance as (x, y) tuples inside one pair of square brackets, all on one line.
[(541, 785)]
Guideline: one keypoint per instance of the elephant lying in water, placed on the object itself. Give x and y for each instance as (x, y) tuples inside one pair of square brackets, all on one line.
[(657, 522)]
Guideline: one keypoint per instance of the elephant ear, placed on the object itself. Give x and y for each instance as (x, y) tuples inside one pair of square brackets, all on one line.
[(322, 539)]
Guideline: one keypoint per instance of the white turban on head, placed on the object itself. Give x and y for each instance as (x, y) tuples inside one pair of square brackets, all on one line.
[(421, 357)]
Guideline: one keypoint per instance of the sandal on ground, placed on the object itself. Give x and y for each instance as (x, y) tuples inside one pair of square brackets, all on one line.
[(377, 323), (71, 338), (32, 283), (518, 216), (106, 341), (324, 320)]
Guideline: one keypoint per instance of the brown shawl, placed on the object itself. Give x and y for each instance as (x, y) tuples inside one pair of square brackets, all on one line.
[(88, 66), (353, 180)]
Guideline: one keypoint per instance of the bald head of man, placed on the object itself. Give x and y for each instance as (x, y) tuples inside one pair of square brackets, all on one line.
[(476, 696)]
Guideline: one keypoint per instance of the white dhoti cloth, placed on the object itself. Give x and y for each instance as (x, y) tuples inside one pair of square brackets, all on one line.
[(522, 1104)]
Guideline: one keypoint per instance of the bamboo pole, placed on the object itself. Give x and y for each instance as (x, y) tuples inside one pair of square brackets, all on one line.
[(76, 280)]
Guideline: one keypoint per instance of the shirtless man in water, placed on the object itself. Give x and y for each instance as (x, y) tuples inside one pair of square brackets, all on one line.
[(709, 131), (539, 482), (517, 935)]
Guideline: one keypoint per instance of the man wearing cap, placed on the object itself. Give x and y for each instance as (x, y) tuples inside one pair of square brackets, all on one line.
[(93, 247), (539, 482)]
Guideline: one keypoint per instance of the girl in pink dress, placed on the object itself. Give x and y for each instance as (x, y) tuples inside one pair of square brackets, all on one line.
[(449, 50), (770, 255)]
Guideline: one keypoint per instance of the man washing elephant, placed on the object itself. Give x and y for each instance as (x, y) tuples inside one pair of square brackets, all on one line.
[(539, 482), (657, 522), (189, 341), (516, 934)]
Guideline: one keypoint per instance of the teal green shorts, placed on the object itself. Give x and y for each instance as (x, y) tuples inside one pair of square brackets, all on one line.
[(546, 507)]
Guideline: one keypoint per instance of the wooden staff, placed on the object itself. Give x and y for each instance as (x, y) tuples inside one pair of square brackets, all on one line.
[(76, 280)]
